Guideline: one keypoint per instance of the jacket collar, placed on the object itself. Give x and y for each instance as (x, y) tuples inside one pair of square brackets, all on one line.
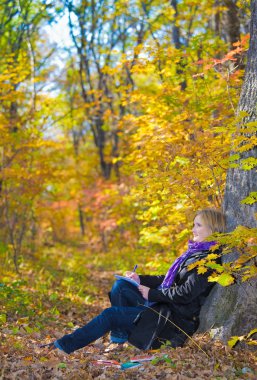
[(198, 255)]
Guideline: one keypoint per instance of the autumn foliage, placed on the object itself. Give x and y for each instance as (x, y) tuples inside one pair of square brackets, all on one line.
[(110, 145)]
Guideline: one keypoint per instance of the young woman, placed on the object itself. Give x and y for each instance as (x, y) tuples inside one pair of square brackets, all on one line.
[(161, 308)]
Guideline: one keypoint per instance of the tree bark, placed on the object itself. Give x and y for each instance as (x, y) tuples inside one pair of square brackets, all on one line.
[(232, 310), (241, 182)]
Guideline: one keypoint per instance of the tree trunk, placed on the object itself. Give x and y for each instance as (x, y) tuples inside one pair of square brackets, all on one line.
[(233, 310), (232, 22), (177, 43)]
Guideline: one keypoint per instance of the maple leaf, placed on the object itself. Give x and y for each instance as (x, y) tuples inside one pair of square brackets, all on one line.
[(201, 270)]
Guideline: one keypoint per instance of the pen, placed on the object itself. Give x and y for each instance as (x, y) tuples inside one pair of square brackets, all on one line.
[(135, 268)]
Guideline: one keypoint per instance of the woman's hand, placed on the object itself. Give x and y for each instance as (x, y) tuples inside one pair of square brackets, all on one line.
[(144, 290), (133, 275)]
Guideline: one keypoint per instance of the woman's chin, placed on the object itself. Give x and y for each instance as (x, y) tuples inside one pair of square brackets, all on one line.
[(197, 239)]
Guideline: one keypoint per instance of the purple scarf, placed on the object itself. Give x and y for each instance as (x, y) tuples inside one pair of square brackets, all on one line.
[(192, 248)]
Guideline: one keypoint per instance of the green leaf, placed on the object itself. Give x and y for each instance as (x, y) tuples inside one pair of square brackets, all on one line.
[(234, 157), (31, 329), (53, 297), (251, 124), (3, 319), (224, 279), (182, 160), (251, 199), (242, 114), (219, 268), (62, 365), (15, 330), (234, 166), (3, 247), (249, 163)]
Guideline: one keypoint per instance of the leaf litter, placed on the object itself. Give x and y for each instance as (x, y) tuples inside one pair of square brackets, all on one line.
[(21, 358)]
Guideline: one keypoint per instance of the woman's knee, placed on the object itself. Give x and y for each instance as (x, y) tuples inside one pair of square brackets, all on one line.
[(118, 286)]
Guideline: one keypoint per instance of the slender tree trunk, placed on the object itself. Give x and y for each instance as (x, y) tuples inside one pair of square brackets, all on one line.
[(177, 42), (81, 220), (232, 26), (233, 310)]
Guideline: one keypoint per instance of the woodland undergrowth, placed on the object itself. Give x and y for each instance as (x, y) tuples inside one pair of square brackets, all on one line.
[(61, 288)]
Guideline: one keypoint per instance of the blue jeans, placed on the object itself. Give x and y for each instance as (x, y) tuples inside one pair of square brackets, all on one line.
[(124, 294), (116, 318)]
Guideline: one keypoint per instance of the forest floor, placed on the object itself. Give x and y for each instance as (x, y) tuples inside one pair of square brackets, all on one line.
[(58, 292)]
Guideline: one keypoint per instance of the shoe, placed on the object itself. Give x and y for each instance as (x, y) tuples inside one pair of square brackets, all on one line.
[(51, 346)]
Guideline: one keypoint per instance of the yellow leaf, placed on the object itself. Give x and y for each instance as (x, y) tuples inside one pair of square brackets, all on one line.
[(254, 331), (234, 340), (193, 265), (28, 358), (212, 256), (201, 270)]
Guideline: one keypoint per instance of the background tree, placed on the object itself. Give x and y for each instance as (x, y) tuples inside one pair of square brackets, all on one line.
[(118, 85), (101, 32), (22, 173)]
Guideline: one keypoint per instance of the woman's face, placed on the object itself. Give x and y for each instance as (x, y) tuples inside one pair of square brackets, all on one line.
[(200, 230)]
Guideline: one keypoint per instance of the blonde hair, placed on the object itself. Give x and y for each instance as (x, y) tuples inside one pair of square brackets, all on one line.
[(214, 219)]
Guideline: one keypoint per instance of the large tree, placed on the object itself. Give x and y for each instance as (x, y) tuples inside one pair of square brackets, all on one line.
[(232, 310)]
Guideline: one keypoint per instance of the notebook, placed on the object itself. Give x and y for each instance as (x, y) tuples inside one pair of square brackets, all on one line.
[(126, 279)]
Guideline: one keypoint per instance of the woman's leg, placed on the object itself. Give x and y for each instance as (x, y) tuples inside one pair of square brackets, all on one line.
[(121, 317), (124, 293)]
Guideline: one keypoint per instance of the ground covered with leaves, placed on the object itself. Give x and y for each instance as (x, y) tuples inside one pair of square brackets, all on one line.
[(62, 289)]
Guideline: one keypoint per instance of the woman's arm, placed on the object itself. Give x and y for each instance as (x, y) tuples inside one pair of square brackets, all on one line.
[(151, 281), (194, 285)]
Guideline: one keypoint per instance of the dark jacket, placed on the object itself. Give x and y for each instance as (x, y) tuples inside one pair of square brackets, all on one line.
[(178, 305)]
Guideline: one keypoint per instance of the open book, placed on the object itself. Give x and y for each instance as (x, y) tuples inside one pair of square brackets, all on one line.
[(126, 279)]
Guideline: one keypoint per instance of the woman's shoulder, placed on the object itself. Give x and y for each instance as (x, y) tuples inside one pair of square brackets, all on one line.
[(201, 254)]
